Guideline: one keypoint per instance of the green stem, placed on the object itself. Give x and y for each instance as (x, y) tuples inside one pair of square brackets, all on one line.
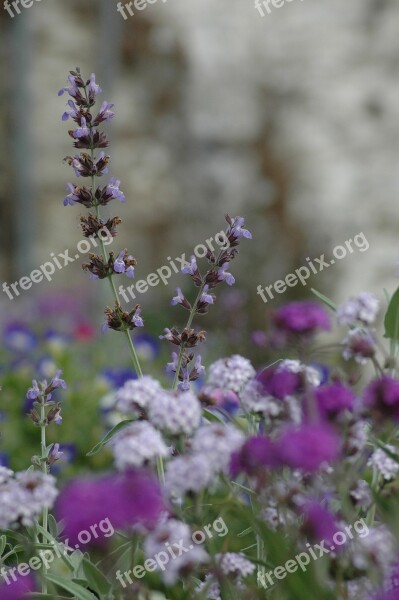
[(43, 426)]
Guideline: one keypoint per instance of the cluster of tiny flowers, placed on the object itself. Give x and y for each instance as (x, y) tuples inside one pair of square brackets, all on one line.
[(230, 373), (188, 474), (166, 535), (377, 550), (137, 445), (137, 395), (175, 414), (24, 496), (217, 443), (363, 309), (231, 565), (384, 464)]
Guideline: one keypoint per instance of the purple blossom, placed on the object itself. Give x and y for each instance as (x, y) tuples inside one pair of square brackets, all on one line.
[(57, 417), (119, 263), (125, 500), (33, 392), (137, 320), (18, 589), (199, 367), (113, 190), (382, 397), (73, 113), (308, 446), (254, 456), (224, 275), (319, 523), (83, 130), (192, 268), (279, 383), (168, 335), (178, 299), (105, 113), (130, 272), (334, 399), (93, 87), (17, 337), (56, 382), (303, 317), (71, 198), (55, 454), (171, 367), (205, 297), (237, 229), (72, 89)]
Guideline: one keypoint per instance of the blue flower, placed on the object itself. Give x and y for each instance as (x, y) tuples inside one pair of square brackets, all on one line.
[(17, 337), (224, 275)]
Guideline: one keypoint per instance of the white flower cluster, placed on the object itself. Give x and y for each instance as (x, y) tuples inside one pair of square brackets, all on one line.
[(23, 496), (176, 413), (137, 395), (230, 373), (364, 308), (312, 375), (169, 537), (138, 444), (384, 464), (233, 565)]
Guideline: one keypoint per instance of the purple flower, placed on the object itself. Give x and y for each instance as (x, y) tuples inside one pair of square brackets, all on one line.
[(72, 90), (55, 454), (304, 318), (168, 335), (17, 337), (71, 198), (227, 400), (56, 382), (319, 524), (81, 131), (237, 229), (113, 191), (254, 456), (224, 275), (171, 367), (137, 320), (33, 392), (119, 264), (73, 113), (93, 87), (191, 268), (334, 399), (16, 587), (279, 383), (178, 299), (308, 447), (205, 297), (105, 113), (382, 397), (125, 500)]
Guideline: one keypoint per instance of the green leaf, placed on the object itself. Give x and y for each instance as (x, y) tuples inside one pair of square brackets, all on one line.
[(324, 299), (52, 526), (97, 581), (73, 588), (391, 321), (98, 447), (3, 543)]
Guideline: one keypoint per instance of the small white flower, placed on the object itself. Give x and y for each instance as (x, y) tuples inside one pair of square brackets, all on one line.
[(137, 394), (384, 464), (176, 413), (253, 399), (188, 474), (312, 375), (217, 443), (232, 563), (138, 444), (363, 308), (230, 373)]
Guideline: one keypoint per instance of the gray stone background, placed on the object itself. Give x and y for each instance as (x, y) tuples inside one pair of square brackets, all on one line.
[(291, 120)]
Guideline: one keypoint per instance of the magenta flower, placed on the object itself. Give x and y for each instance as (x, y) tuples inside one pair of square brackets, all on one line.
[(334, 399), (125, 499), (308, 447), (382, 397), (279, 383), (16, 590), (319, 523), (303, 318), (254, 456)]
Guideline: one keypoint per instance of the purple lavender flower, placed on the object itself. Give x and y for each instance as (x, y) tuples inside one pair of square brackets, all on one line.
[(224, 275), (105, 113), (334, 399), (73, 113), (382, 398), (279, 383), (172, 366), (254, 456), (308, 447), (205, 297), (191, 268), (179, 298), (81, 131), (237, 229), (93, 87), (33, 392), (124, 500), (56, 382), (112, 190), (119, 264), (302, 318), (137, 319)]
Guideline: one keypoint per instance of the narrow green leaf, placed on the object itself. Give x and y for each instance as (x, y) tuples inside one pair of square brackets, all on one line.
[(324, 299), (98, 447), (3, 543), (391, 321), (96, 578), (73, 588)]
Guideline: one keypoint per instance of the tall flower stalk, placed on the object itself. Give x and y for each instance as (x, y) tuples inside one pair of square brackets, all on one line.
[(87, 137)]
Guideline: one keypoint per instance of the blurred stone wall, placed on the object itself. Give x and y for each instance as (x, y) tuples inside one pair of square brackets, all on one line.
[(291, 119)]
